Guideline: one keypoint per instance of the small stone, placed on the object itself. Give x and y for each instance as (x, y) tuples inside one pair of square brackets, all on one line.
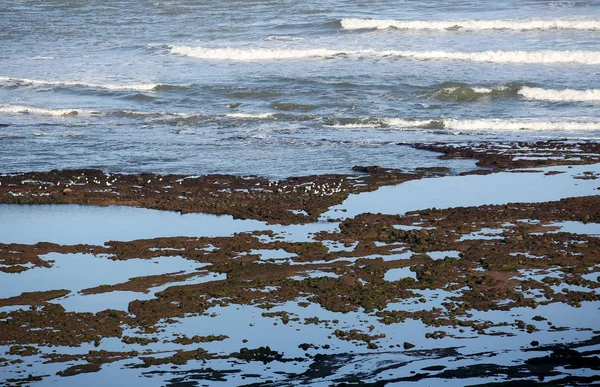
[(408, 345)]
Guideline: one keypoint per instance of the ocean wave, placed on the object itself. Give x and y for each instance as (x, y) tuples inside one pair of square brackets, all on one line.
[(462, 92), (250, 116), (542, 57), (250, 55), (291, 106), (566, 95), (520, 124), (132, 114), (183, 116), (469, 125), (22, 109), (59, 134), (263, 54), (283, 37), (352, 123), (382, 123), (183, 119), (141, 87), (371, 24), (498, 124), (410, 123)]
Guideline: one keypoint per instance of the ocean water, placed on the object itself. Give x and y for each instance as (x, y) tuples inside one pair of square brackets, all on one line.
[(280, 88)]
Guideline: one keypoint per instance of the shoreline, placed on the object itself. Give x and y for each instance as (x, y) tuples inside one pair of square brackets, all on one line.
[(435, 293), (295, 200)]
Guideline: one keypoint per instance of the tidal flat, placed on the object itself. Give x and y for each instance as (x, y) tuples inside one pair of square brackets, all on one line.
[(376, 277)]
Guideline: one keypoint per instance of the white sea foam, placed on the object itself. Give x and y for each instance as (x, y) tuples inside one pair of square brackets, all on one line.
[(262, 54), (250, 116), (249, 55), (567, 95), (354, 126), (480, 90), (31, 110), (481, 124), (533, 93), (399, 123), (543, 57), (355, 24), (21, 109), (142, 87), (483, 90), (520, 124)]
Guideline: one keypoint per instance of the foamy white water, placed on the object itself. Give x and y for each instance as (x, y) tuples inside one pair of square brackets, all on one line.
[(143, 87), (250, 116), (526, 92), (355, 126), (256, 54), (525, 57), (480, 90), (22, 109), (484, 90), (537, 93), (474, 125), (520, 124), (356, 24), (260, 54)]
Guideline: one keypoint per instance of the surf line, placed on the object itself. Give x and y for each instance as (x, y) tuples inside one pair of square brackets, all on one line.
[(264, 54)]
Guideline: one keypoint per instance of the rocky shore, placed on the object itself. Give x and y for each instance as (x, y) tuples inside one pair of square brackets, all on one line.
[(431, 294), (289, 201)]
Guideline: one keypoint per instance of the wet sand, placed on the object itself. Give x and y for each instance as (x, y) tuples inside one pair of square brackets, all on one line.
[(375, 277)]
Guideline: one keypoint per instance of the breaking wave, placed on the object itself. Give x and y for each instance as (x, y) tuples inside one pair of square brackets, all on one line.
[(357, 24), (133, 114), (250, 116), (520, 124), (141, 87), (357, 123), (263, 54), (470, 125), (566, 95), (22, 109), (462, 92), (256, 54)]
